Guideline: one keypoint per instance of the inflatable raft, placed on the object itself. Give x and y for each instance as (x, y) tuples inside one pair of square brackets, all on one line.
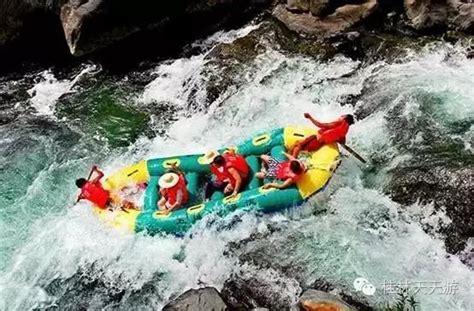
[(321, 166)]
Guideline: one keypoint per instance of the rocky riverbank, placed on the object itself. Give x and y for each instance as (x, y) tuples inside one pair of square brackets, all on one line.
[(122, 34)]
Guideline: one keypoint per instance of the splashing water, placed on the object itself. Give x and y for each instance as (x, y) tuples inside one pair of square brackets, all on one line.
[(46, 93), (67, 258)]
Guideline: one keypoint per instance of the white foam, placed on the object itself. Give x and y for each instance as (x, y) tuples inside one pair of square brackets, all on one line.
[(46, 93)]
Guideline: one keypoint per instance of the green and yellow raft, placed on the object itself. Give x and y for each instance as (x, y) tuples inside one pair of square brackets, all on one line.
[(321, 163)]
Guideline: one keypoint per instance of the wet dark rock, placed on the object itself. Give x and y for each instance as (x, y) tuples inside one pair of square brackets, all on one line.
[(461, 15), (227, 60), (440, 171), (203, 299), (247, 293), (445, 187), (46, 30), (426, 14), (439, 14)]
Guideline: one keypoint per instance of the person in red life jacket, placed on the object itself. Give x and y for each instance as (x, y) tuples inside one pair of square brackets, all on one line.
[(331, 132), (231, 172), (289, 171), (173, 191), (93, 191)]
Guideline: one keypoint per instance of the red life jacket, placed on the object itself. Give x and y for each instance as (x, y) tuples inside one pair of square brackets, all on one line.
[(235, 161), (284, 172), (96, 194), (171, 194), (334, 134)]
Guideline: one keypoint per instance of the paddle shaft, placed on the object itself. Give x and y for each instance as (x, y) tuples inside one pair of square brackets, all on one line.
[(88, 177), (355, 154)]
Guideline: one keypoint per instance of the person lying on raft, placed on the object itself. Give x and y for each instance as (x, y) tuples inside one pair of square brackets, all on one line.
[(289, 171), (329, 133), (93, 191), (231, 172), (173, 191)]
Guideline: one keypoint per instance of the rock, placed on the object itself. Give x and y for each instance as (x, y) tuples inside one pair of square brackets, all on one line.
[(318, 7), (444, 187), (249, 292), (94, 24), (13, 14), (227, 60), (315, 300), (203, 299), (73, 16), (426, 14), (298, 6), (461, 15), (139, 30), (341, 20)]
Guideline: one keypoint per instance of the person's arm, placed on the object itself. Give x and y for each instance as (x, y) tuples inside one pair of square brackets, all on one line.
[(99, 176), (179, 201), (322, 124), (237, 178), (284, 185)]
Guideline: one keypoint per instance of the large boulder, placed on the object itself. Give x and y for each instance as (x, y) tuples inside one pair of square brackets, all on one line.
[(53, 30), (13, 12), (90, 25), (203, 299), (446, 188), (426, 14), (461, 15), (73, 16), (341, 20)]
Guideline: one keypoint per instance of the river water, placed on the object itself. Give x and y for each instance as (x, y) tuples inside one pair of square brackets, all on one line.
[(55, 125)]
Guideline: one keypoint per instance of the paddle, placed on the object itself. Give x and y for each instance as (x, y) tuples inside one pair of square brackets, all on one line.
[(355, 154)]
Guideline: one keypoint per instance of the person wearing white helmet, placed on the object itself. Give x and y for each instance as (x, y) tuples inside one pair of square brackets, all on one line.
[(173, 191)]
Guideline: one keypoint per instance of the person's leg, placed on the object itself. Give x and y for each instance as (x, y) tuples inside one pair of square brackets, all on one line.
[(272, 169), (213, 186), (209, 190), (296, 150), (310, 143), (265, 158), (129, 205)]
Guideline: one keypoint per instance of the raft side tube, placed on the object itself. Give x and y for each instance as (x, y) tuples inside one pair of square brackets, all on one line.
[(130, 175)]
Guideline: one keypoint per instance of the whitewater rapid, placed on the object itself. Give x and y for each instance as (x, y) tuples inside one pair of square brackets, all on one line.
[(351, 230)]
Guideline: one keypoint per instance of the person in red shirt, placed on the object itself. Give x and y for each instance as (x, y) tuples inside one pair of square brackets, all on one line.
[(231, 172), (93, 191), (173, 191), (289, 171), (331, 132)]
